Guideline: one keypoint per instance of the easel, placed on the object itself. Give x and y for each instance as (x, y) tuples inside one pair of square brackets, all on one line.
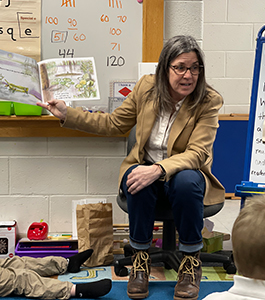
[(254, 177)]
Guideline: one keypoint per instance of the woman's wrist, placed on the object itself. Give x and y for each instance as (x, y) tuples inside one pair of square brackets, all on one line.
[(162, 171)]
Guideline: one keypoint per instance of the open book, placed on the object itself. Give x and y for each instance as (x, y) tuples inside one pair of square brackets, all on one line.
[(22, 79)]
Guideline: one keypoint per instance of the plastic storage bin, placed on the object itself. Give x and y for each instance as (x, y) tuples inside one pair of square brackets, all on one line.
[(6, 108), (64, 248), (21, 109)]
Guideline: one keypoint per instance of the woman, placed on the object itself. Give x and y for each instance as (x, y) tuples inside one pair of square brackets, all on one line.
[(176, 117)]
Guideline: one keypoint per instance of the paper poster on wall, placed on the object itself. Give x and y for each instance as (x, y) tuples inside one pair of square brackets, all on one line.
[(119, 90), (20, 28)]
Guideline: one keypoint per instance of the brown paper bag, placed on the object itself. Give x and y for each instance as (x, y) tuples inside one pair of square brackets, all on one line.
[(95, 231)]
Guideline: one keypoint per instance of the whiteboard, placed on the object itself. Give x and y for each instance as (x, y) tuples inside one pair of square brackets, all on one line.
[(108, 30), (254, 168)]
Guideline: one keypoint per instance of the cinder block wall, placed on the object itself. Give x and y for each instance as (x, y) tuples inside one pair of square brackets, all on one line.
[(227, 31), (229, 40), (39, 177)]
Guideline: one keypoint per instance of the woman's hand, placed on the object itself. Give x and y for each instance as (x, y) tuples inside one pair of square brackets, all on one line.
[(141, 177), (57, 107)]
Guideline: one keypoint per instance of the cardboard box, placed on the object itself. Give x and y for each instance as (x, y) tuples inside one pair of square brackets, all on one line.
[(212, 242), (7, 238)]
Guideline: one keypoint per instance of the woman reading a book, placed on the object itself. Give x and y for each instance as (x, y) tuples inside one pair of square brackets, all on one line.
[(176, 116)]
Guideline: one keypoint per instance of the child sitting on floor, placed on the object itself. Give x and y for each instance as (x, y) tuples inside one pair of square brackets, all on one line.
[(29, 276), (248, 240)]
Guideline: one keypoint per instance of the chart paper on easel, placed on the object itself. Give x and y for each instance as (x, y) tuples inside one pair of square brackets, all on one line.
[(257, 165)]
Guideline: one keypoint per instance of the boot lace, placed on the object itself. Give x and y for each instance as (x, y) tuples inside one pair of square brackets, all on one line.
[(140, 263), (187, 266)]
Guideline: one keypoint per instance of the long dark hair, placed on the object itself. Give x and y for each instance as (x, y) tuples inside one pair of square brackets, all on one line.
[(171, 50)]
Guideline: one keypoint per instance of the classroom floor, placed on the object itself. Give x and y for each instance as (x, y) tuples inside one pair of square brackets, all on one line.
[(224, 220)]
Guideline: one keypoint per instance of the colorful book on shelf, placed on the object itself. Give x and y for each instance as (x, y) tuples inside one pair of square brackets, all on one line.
[(24, 80)]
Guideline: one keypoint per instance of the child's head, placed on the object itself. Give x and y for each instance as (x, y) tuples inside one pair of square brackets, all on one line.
[(248, 239)]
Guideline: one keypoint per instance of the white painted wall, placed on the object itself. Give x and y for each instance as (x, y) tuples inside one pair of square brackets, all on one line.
[(40, 176)]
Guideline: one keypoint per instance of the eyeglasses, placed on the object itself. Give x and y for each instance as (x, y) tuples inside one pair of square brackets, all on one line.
[(181, 70)]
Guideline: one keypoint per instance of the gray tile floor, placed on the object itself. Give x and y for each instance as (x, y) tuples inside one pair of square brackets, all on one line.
[(224, 220)]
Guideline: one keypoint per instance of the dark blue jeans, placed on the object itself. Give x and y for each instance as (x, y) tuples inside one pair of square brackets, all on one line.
[(185, 192)]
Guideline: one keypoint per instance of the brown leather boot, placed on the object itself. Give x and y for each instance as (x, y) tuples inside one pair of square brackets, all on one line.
[(189, 278), (139, 276)]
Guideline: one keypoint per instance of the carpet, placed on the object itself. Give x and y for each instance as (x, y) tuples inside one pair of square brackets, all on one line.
[(157, 274), (165, 290), (157, 290), (162, 282), (161, 286)]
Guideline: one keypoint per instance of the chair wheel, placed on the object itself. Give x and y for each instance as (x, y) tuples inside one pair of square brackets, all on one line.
[(167, 266), (230, 268), (120, 271)]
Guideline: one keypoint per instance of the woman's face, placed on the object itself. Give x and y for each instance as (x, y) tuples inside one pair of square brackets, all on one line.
[(181, 86)]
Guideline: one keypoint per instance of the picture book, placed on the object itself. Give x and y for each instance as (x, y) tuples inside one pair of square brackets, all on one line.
[(24, 80)]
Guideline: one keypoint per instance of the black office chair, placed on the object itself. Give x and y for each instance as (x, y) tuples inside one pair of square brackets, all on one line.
[(168, 254)]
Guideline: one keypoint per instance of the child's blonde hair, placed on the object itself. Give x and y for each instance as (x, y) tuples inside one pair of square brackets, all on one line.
[(248, 239)]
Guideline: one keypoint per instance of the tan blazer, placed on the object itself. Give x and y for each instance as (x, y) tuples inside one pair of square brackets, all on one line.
[(190, 141)]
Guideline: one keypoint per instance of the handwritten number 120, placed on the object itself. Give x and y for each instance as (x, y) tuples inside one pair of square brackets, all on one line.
[(114, 61)]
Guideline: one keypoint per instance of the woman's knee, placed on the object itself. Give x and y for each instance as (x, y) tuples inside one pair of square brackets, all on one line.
[(124, 186), (187, 182)]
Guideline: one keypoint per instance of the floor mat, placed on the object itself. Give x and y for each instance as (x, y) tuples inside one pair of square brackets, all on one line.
[(157, 274), (157, 290)]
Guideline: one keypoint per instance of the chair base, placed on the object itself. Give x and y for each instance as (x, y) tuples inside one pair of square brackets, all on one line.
[(171, 260)]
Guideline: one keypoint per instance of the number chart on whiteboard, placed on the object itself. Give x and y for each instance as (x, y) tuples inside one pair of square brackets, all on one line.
[(108, 30)]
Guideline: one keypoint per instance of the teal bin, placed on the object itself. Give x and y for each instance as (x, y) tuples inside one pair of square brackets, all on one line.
[(6, 108), (21, 109)]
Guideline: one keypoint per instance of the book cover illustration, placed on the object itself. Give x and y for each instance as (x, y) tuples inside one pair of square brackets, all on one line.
[(19, 78), (69, 79)]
